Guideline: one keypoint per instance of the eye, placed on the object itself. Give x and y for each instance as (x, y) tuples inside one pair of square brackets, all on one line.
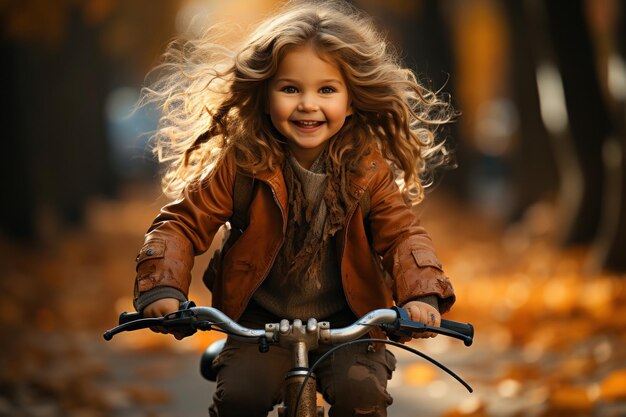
[(327, 90), (289, 89)]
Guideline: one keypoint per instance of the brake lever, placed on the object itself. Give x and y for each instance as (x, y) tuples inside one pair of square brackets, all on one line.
[(133, 325), (180, 322)]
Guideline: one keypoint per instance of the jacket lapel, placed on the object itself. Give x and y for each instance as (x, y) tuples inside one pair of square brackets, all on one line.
[(276, 182)]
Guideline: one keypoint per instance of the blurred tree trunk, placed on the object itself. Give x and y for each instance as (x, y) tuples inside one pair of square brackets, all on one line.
[(589, 149), (534, 173), (20, 143), (74, 86), (56, 152), (610, 245), (587, 111), (548, 98)]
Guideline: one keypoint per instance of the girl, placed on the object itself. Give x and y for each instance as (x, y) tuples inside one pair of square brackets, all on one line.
[(315, 111)]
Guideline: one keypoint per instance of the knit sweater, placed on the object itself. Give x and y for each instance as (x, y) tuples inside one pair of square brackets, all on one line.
[(301, 297)]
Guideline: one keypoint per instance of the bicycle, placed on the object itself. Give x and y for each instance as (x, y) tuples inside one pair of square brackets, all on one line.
[(300, 388)]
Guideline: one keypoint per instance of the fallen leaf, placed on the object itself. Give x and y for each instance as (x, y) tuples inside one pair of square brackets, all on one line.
[(569, 397), (613, 387), (419, 374), (471, 407)]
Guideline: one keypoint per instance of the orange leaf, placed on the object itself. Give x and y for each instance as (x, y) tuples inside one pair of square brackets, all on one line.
[(570, 398), (419, 374), (613, 387)]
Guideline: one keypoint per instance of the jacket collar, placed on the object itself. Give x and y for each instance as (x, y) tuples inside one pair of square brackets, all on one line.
[(358, 182), (275, 180)]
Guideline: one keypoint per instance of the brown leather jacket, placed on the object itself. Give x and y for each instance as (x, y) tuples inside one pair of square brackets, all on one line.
[(185, 228)]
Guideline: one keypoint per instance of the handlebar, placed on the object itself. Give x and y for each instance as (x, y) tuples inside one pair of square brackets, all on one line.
[(394, 322), (298, 336)]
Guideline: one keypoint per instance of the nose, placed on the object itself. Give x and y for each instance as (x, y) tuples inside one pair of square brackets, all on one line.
[(307, 104)]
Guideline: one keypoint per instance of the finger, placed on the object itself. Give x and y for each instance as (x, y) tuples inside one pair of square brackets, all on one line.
[(424, 335), (419, 314), (434, 319), (162, 312), (158, 329), (415, 313), (430, 318)]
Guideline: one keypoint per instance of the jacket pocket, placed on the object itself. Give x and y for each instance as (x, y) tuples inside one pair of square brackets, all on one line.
[(424, 259), (153, 249)]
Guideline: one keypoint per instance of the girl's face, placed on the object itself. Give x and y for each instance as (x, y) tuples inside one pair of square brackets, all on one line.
[(308, 102)]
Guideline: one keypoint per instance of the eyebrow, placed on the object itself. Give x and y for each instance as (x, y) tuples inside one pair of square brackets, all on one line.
[(326, 81)]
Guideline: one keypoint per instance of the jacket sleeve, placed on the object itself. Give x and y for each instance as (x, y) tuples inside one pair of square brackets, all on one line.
[(405, 247), (184, 229)]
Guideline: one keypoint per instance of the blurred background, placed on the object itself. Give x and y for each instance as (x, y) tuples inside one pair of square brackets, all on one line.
[(530, 225)]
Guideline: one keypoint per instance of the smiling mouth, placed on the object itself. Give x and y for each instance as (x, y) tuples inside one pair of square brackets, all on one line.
[(307, 124)]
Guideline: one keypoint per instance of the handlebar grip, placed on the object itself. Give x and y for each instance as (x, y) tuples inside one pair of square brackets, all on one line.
[(465, 329)]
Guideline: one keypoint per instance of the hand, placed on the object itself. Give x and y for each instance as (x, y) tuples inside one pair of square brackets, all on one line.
[(160, 308), (425, 313)]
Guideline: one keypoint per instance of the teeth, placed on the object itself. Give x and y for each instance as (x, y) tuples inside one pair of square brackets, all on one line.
[(308, 123)]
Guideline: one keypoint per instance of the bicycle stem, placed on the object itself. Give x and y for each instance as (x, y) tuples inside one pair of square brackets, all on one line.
[(298, 337)]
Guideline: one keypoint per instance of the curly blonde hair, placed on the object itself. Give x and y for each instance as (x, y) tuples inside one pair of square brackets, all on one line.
[(213, 99)]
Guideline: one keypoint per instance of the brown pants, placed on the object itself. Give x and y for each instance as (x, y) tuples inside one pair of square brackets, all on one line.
[(353, 380)]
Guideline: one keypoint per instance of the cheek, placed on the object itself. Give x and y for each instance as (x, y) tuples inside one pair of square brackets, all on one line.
[(278, 110), (340, 110)]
